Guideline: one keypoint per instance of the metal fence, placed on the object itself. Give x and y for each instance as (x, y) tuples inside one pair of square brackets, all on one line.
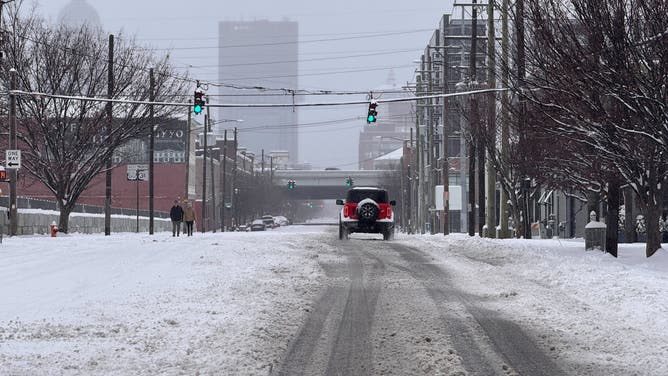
[(31, 203)]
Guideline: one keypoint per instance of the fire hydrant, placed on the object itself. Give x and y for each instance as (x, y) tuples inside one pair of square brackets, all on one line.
[(54, 229)]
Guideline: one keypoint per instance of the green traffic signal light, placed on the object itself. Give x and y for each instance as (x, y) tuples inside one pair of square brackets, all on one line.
[(371, 115), (291, 184), (198, 103)]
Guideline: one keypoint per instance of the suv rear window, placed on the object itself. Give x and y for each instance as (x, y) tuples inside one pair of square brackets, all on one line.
[(357, 195)]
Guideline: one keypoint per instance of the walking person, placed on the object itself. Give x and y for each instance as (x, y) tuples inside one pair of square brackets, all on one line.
[(189, 218), (176, 215)]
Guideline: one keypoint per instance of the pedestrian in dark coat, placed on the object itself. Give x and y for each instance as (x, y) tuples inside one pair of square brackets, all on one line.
[(176, 215)]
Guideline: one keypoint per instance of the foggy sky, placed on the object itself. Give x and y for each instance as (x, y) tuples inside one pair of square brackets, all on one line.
[(178, 24)]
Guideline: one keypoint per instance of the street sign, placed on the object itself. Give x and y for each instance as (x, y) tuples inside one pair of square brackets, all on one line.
[(138, 172), (13, 159)]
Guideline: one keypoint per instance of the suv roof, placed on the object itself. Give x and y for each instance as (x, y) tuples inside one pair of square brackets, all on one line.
[(358, 194)]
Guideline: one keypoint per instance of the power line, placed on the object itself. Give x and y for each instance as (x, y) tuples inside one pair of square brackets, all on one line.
[(254, 105), (291, 42), (192, 80), (304, 60), (360, 33), (324, 73)]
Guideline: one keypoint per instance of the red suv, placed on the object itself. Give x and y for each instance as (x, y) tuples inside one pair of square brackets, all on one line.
[(368, 210)]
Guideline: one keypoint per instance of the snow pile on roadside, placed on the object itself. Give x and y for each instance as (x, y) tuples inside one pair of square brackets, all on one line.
[(614, 309), (140, 305)]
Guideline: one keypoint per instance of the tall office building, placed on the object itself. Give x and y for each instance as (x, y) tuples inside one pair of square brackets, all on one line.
[(258, 64)]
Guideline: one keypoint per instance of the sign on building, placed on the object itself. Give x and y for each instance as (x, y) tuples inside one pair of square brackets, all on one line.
[(454, 200)]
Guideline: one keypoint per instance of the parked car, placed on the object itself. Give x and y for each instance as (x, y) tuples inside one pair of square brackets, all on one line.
[(258, 225), (281, 220), (367, 210), (269, 221)]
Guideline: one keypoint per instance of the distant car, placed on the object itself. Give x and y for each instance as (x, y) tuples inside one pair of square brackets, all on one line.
[(281, 220), (269, 221), (258, 225), (367, 210), (242, 228)]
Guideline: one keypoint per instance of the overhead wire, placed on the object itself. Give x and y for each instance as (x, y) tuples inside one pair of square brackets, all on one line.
[(376, 35), (193, 80)]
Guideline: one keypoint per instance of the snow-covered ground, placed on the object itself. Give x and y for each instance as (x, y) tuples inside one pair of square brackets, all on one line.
[(228, 303), (600, 310)]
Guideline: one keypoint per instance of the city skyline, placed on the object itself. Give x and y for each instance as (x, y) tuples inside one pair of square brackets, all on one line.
[(347, 48)]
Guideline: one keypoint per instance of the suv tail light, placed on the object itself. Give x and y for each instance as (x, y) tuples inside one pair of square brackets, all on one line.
[(349, 210), (385, 211)]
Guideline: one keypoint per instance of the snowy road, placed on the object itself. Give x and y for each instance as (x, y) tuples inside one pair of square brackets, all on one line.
[(389, 309), (298, 301)]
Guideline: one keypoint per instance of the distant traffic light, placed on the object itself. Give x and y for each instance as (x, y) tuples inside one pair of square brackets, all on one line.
[(199, 102), (372, 114), (349, 182), (291, 184)]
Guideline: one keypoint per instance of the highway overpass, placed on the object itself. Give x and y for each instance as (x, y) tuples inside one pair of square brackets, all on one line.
[(327, 184)]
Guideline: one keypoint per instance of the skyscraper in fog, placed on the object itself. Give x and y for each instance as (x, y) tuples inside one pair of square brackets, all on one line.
[(258, 64)]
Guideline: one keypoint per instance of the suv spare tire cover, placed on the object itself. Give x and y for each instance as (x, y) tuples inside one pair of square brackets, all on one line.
[(367, 210)]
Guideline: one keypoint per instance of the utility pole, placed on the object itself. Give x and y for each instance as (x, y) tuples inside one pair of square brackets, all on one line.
[(430, 143), (521, 116), (110, 121), (445, 166), (213, 176), (206, 130), (474, 124), (13, 145), (491, 123), (187, 151), (505, 116), (223, 183), (263, 185), (151, 152), (411, 186), (234, 181), (420, 156), (480, 131)]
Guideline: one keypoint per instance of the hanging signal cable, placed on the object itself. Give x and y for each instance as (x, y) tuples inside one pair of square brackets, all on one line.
[(253, 105)]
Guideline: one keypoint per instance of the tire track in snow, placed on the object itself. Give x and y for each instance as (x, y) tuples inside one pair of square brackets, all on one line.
[(486, 343)]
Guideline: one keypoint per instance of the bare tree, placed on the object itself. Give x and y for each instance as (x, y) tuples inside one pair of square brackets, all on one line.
[(599, 72), (64, 141)]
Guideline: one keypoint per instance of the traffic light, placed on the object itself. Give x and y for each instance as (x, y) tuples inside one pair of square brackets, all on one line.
[(372, 114), (199, 102), (349, 182), (291, 184), (3, 175)]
